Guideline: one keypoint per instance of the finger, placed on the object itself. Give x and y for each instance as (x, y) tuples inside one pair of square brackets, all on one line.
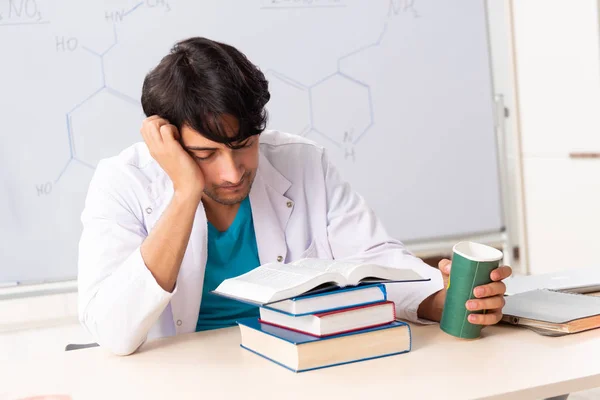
[(169, 132), (150, 129), (159, 123), (175, 131), (444, 266), (153, 133), (144, 130), (486, 319), (489, 290), (501, 273), (489, 303)]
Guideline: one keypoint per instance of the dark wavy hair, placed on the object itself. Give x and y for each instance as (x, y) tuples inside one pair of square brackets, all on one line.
[(199, 81)]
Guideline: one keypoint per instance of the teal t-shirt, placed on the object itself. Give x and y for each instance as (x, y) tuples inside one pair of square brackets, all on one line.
[(230, 253)]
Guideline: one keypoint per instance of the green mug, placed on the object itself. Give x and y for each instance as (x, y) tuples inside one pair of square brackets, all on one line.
[(472, 264)]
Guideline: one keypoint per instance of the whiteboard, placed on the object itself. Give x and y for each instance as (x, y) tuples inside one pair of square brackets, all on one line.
[(399, 91)]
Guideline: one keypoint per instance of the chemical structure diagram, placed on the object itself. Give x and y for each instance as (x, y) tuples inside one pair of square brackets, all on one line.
[(327, 94), (72, 44), (27, 12), (334, 92)]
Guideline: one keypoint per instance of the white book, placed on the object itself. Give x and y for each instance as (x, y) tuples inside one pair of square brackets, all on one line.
[(331, 300), (276, 281), (333, 322)]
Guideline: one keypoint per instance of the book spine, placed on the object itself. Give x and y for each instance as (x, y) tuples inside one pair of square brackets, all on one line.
[(383, 290)]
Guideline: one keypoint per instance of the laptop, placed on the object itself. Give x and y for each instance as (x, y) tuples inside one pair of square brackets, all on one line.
[(584, 280)]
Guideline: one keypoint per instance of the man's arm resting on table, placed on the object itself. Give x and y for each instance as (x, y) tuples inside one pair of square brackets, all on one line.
[(124, 281)]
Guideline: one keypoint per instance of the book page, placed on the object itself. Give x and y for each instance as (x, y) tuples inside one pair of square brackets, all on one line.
[(341, 267), (344, 268), (274, 281), (277, 276), (315, 264), (378, 273)]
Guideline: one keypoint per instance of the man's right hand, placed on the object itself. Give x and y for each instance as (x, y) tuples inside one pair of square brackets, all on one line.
[(162, 140)]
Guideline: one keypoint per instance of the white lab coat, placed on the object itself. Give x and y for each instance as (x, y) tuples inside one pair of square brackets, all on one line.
[(300, 206)]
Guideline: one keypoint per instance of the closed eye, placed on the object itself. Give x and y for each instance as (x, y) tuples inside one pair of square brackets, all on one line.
[(203, 158)]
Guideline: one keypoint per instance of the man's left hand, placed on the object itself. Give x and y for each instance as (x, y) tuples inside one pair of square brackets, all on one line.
[(488, 297)]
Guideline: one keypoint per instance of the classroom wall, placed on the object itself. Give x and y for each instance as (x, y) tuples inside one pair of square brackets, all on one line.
[(558, 74)]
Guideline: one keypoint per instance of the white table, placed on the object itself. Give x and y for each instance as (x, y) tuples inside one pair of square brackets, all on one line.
[(507, 362)]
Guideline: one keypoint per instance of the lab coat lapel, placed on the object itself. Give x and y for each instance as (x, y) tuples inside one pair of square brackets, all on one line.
[(271, 211)]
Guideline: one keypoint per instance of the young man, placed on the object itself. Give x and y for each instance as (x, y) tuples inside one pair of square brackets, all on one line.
[(211, 195)]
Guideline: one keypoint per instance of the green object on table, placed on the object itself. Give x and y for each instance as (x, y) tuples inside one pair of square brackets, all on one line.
[(472, 264)]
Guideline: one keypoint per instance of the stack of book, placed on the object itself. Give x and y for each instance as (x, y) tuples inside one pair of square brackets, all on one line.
[(342, 318)]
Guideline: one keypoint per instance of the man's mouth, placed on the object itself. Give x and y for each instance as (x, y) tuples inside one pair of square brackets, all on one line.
[(239, 185)]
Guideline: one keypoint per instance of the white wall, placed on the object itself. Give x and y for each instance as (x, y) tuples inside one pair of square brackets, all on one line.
[(501, 45), (558, 75)]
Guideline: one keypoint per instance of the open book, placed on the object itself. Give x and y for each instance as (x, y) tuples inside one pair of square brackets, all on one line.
[(276, 281)]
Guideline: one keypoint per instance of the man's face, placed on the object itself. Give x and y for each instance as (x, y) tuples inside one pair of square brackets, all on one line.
[(228, 173)]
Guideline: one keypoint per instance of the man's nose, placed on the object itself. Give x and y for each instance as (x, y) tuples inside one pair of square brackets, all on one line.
[(231, 171)]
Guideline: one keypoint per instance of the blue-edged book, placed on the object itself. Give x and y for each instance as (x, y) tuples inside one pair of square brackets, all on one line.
[(332, 299), (299, 352), (273, 282)]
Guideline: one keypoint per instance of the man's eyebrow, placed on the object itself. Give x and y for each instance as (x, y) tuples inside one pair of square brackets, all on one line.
[(196, 148), (242, 142)]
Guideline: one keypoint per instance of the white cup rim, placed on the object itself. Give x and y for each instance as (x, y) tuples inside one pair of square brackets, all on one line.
[(477, 252)]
